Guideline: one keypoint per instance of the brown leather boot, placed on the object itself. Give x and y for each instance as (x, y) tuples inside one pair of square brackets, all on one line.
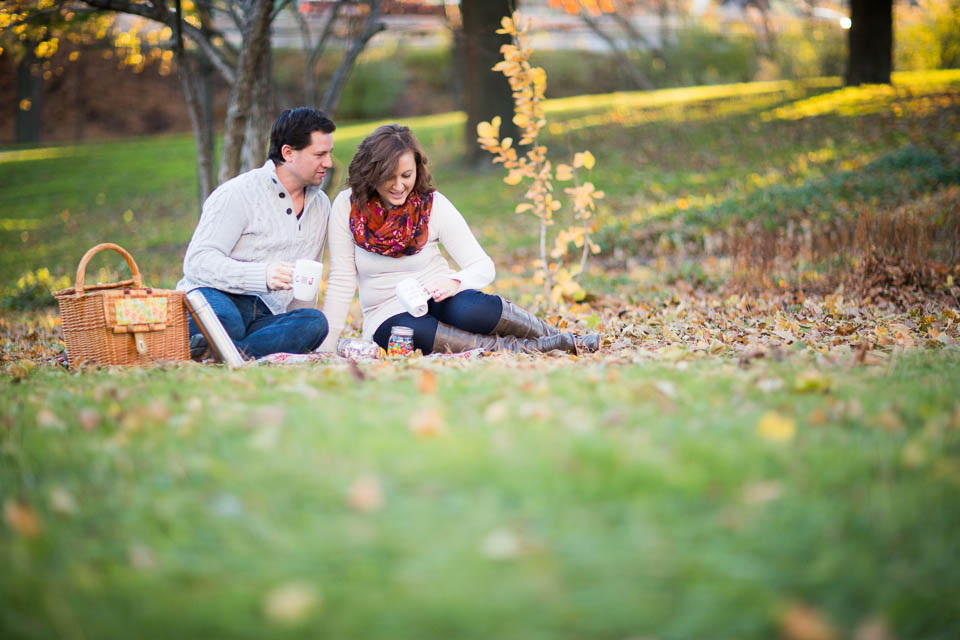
[(449, 339), (517, 321)]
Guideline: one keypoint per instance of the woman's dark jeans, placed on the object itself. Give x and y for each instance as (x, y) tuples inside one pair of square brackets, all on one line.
[(257, 331), (470, 310)]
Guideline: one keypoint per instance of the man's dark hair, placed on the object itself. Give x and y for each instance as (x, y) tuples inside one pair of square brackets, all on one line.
[(294, 127)]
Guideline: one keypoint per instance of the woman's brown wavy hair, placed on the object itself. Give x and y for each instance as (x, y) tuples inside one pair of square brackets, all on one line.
[(376, 162)]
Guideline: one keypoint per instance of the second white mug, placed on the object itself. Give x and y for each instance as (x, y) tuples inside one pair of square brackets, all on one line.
[(413, 297)]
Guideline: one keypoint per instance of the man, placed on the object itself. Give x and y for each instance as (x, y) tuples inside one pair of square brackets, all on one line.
[(252, 230)]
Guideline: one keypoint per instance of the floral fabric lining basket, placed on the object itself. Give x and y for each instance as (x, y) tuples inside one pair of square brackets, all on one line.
[(121, 322)]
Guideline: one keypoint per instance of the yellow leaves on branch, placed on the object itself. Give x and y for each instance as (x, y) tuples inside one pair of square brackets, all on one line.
[(584, 197), (528, 84), (584, 159), (567, 287), (507, 26)]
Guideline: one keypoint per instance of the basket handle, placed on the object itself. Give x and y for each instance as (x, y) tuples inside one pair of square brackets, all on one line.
[(82, 268)]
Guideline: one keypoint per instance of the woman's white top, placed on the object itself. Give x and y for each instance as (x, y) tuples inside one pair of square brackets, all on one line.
[(378, 275)]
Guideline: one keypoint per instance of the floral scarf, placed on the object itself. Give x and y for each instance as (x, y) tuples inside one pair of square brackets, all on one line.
[(394, 232)]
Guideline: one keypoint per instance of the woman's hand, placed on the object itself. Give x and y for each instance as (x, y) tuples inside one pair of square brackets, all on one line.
[(441, 288), (279, 275)]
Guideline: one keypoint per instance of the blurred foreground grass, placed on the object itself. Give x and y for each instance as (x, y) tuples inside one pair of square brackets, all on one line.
[(733, 467), (505, 498)]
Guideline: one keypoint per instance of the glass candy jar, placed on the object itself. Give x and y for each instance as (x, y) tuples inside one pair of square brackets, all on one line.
[(401, 341)]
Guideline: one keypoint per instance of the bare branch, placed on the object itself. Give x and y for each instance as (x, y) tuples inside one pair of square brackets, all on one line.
[(637, 76), (283, 4), (317, 50), (373, 26)]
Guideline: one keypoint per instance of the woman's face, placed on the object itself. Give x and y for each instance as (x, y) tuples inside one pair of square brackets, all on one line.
[(394, 191)]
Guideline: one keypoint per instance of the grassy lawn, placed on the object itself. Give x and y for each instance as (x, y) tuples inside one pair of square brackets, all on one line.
[(780, 462), (516, 499)]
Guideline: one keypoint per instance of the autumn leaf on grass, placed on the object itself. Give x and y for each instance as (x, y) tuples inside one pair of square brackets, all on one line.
[(502, 544), (62, 502), (47, 419), (141, 557), (902, 335), (811, 381), (769, 385), (21, 518), (427, 382), (914, 454), (873, 628), (818, 417), (776, 427), (800, 622), (21, 369), (762, 492), (365, 494), (89, 418), (265, 438), (290, 603), (497, 411), (427, 422)]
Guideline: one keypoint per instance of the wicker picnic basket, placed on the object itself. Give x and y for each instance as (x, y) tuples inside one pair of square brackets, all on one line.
[(121, 322)]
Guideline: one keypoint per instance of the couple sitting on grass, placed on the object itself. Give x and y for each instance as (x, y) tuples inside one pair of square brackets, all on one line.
[(387, 226)]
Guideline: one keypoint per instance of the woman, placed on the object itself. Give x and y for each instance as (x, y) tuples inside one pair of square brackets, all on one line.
[(388, 227)]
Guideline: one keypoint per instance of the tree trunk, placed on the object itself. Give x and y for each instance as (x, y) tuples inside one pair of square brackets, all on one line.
[(456, 70), (373, 26), (79, 99), (486, 93), (256, 39), (29, 106), (257, 131), (870, 56), (196, 77)]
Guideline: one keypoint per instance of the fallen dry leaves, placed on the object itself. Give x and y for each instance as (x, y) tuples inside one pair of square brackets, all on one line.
[(689, 323)]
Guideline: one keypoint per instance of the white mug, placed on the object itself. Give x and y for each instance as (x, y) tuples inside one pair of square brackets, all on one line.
[(306, 279), (413, 297)]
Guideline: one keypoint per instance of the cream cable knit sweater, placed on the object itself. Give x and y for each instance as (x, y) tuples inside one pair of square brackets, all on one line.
[(378, 275), (247, 223)]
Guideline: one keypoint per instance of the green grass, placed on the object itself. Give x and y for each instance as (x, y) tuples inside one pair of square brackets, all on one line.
[(628, 494), (628, 500)]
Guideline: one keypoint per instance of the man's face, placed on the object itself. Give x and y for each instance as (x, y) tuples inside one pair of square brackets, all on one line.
[(309, 165)]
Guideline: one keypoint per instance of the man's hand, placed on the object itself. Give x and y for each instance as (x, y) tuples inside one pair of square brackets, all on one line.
[(279, 275), (441, 288)]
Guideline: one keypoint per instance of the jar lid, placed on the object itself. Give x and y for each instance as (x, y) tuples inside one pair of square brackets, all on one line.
[(398, 330)]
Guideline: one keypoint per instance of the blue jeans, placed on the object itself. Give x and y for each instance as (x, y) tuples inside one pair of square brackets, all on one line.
[(257, 332), (470, 310)]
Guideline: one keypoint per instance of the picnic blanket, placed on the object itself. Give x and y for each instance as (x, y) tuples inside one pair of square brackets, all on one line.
[(332, 358)]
